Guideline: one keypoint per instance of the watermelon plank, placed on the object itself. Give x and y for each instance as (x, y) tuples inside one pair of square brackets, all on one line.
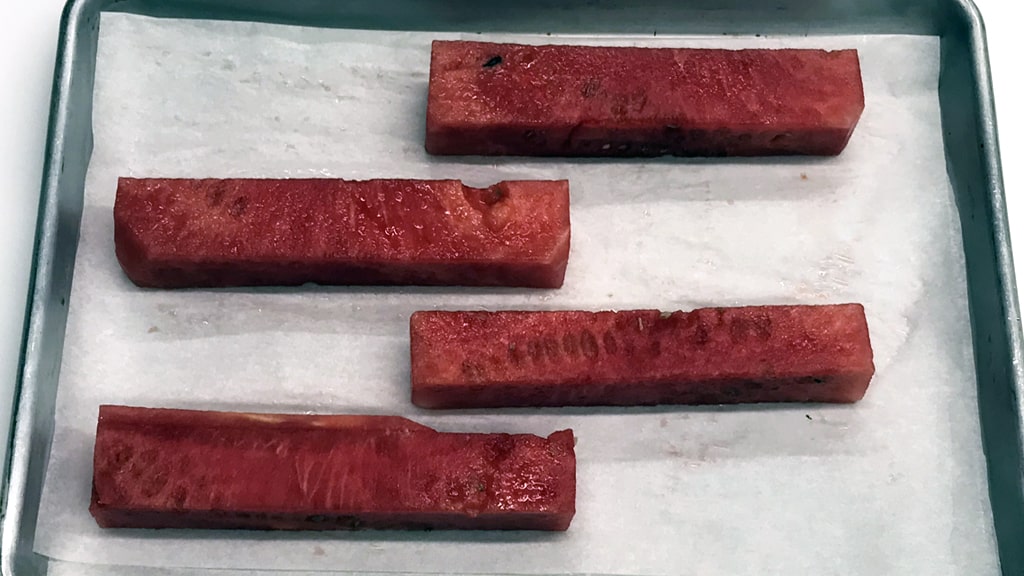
[(641, 357), (514, 99), (181, 233), (158, 468)]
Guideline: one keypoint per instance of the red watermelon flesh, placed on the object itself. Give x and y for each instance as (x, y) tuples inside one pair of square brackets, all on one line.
[(513, 99), (157, 468), (642, 357), (179, 233)]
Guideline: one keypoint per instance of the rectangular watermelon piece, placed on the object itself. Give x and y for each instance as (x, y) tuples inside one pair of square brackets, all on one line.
[(520, 100), (640, 357), (183, 233), (160, 468)]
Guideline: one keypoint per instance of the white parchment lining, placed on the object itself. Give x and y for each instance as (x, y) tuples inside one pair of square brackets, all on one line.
[(893, 485)]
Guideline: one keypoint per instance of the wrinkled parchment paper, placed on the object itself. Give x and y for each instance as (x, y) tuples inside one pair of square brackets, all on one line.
[(893, 485)]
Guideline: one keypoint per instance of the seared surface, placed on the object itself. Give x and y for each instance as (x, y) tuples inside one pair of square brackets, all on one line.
[(176, 233), (185, 469), (643, 357), (513, 99)]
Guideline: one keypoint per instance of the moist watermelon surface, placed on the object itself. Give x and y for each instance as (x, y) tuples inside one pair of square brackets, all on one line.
[(553, 100), (187, 469), (178, 233), (640, 357)]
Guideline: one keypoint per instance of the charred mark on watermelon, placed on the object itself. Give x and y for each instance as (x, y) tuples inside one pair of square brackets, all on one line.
[(492, 195)]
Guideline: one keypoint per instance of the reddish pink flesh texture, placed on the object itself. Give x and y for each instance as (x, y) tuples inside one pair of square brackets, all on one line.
[(182, 233), (158, 468), (708, 356), (511, 99)]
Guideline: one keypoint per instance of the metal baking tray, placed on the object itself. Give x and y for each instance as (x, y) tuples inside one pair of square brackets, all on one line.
[(972, 158)]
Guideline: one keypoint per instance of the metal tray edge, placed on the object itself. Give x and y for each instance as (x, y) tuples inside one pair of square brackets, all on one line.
[(39, 302), (1003, 441)]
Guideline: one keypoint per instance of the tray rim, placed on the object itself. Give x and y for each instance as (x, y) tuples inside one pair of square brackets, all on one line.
[(38, 305), (15, 471)]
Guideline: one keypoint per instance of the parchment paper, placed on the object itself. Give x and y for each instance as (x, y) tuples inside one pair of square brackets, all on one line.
[(893, 485)]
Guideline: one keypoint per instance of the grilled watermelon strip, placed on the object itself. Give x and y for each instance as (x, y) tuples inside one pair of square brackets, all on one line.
[(513, 99), (180, 233), (156, 468), (642, 357)]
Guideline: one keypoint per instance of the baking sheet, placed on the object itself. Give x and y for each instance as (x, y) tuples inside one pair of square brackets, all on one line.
[(894, 484)]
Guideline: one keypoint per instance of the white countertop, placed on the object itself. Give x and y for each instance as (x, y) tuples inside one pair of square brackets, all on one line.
[(28, 40)]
